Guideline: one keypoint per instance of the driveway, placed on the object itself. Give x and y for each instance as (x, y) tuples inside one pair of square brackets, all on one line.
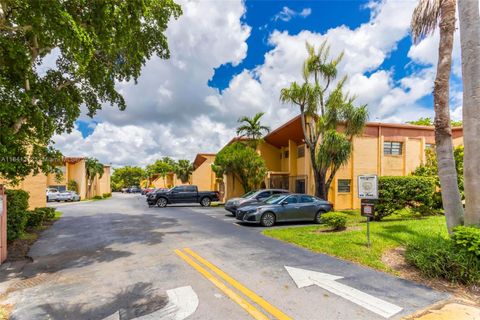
[(119, 259)]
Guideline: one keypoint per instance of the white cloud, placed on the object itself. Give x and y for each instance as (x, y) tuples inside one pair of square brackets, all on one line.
[(173, 112), (287, 14)]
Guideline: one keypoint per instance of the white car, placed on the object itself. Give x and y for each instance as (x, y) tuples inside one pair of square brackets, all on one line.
[(52, 194), (68, 196)]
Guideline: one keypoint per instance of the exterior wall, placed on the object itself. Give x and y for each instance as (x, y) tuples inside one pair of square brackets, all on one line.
[(104, 182), (203, 176), (271, 155), (35, 186)]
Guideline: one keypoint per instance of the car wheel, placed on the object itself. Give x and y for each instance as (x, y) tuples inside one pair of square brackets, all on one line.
[(206, 202), (162, 202), (318, 217), (267, 219)]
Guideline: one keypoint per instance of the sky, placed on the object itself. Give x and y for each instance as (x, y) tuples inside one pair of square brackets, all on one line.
[(231, 58)]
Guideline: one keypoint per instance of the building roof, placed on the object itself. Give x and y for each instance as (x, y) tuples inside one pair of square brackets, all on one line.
[(201, 158), (292, 130)]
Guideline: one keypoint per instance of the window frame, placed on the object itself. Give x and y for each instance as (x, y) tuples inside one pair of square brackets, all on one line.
[(302, 153), (388, 148), (339, 186)]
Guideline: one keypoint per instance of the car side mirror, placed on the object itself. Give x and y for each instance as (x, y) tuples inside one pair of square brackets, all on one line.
[(284, 203)]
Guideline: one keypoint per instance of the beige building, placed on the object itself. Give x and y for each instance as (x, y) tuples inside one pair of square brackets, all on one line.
[(35, 186), (203, 175), (384, 149)]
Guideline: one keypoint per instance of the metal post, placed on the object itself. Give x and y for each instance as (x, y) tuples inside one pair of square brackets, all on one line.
[(368, 232)]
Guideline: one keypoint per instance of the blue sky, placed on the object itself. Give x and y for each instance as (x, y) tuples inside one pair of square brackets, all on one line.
[(231, 58)]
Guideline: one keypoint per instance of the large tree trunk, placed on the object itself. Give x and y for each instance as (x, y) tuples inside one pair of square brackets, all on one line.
[(447, 173), (470, 41)]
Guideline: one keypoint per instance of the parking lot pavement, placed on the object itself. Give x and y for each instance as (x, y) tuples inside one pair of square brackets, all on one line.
[(119, 259)]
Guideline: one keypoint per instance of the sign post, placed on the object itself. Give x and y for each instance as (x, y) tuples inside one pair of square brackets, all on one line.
[(3, 224), (368, 193)]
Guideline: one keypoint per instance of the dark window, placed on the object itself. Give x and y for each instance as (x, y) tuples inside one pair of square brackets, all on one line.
[(392, 148), (285, 154), (179, 189), (263, 195), (191, 189), (301, 151), (344, 185), (291, 200), (306, 199), (300, 186), (278, 191)]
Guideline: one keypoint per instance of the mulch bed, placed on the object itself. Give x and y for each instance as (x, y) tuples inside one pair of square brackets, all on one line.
[(395, 259)]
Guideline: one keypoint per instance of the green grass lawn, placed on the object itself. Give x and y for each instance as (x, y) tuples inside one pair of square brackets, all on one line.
[(392, 232)]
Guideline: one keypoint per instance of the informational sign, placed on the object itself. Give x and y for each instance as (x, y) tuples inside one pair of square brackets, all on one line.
[(1, 205), (367, 208), (368, 186)]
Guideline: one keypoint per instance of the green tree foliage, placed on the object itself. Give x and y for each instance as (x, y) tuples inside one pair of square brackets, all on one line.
[(252, 128), (243, 162), (95, 43), (335, 220), (183, 170), (430, 169), (329, 117), (126, 177), (162, 167), (72, 185), (92, 168), (429, 122), (412, 192), (17, 217)]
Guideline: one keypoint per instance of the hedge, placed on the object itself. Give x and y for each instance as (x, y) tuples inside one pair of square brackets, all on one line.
[(336, 220), (413, 192), (39, 216), (17, 216)]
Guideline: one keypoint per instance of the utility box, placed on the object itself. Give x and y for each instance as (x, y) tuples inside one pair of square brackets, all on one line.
[(3, 224)]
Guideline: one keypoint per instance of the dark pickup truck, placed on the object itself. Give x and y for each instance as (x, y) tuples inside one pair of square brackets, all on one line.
[(182, 194)]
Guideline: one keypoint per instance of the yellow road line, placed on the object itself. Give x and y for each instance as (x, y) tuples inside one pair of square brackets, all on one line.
[(247, 292), (254, 312)]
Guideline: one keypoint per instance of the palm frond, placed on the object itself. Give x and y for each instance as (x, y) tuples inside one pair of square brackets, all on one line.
[(425, 18)]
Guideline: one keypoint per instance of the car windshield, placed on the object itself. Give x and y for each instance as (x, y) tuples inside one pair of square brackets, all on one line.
[(248, 194), (275, 199)]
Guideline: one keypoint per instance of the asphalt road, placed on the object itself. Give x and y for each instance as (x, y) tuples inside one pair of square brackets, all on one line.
[(119, 254)]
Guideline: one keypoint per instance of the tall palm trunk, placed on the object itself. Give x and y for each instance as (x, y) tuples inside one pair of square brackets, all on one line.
[(470, 41), (447, 173)]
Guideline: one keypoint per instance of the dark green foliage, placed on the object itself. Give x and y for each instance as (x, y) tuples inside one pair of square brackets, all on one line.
[(106, 195), (97, 197), (439, 257), (126, 177), (39, 216), (17, 216), (467, 238), (412, 192), (336, 220), (72, 185), (243, 162), (95, 43)]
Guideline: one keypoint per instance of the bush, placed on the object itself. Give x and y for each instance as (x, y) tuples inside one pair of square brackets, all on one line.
[(72, 185), (467, 238), (439, 257), (97, 197), (412, 192), (107, 195), (17, 216), (39, 216), (336, 220)]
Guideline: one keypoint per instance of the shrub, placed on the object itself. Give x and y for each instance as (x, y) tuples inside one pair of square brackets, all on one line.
[(107, 195), (336, 220), (97, 197), (413, 192), (438, 257), (17, 216), (39, 216), (72, 185), (467, 238)]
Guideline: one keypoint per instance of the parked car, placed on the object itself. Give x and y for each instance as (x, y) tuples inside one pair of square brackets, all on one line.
[(68, 196), (147, 191), (252, 197), (182, 194), (134, 190), (289, 207), (52, 194)]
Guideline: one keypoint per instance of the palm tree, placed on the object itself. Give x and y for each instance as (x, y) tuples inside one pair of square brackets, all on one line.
[(470, 42), (426, 16), (321, 113), (252, 128), (92, 168), (183, 170)]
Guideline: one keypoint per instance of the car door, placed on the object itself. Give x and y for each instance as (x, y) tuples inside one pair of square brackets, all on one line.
[(190, 194), (176, 194), (290, 209), (307, 207)]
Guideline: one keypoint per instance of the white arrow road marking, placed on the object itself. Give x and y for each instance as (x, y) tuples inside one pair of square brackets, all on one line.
[(305, 278), (182, 303)]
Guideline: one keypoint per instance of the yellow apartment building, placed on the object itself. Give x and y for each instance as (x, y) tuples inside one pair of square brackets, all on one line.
[(35, 185), (73, 168), (203, 175), (385, 149)]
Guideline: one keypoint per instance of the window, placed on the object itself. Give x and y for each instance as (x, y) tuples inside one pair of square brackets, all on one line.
[(306, 199), (290, 200), (301, 151), (279, 191), (285, 154), (191, 189), (392, 148), (263, 195), (344, 185), (179, 189)]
